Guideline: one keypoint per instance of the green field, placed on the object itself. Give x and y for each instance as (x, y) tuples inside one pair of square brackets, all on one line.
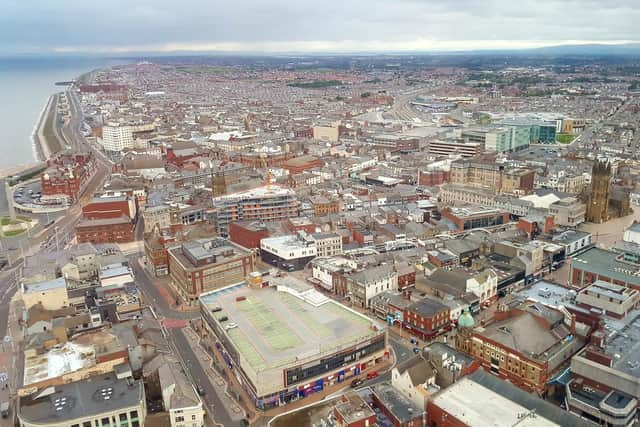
[(318, 84), (565, 138)]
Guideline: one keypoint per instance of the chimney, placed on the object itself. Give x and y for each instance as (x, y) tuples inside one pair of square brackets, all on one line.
[(573, 324)]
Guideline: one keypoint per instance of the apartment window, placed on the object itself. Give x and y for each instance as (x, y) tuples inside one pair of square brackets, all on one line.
[(105, 421), (75, 425), (134, 415), (193, 417), (123, 418), (86, 424), (179, 419)]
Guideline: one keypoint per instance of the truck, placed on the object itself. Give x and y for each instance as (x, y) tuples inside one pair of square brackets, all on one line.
[(4, 409)]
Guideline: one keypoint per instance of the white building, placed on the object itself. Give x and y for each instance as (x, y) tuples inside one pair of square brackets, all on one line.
[(116, 137), (632, 234), (366, 284)]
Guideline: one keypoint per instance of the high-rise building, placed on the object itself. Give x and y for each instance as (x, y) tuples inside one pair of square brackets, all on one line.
[(268, 203), (598, 206)]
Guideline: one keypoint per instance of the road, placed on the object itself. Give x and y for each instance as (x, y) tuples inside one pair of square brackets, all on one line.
[(180, 341)]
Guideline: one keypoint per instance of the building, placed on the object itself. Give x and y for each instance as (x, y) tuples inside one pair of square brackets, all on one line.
[(327, 244), (499, 139), (604, 383), (489, 174), (51, 294), (483, 284), (448, 147), (300, 164), (325, 205), (598, 205), (450, 194), (482, 399), (608, 266), (538, 130), (470, 217), (366, 284), (203, 265), (327, 133), (398, 409), (67, 175), (426, 318), (179, 396), (116, 137), (272, 203), (291, 252), (611, 300), (102, 400), (525, 345), (573, 241), (110, 207), (353, 411), (108, 230), (248, 233), (156, 217), (329, 273), (632, 233), (568, 212), (287, 341)]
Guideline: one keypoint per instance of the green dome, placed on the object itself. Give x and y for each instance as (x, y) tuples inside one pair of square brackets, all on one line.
[(465, 320)]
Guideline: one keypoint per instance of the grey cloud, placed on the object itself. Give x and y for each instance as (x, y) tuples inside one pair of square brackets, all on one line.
[(46, 25)]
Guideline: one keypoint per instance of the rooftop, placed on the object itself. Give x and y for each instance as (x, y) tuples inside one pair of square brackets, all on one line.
[(287, 323), (606, 263), (58, 361), (273, 190), (481, 399), (401, 407), (49, 285), (80, 399)]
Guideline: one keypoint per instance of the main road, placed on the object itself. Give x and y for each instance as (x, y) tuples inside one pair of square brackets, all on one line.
[(181, 344)]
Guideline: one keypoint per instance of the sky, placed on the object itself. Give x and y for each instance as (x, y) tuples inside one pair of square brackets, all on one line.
[(129, 26)]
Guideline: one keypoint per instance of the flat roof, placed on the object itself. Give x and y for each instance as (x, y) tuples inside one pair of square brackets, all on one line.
[(45, 286), (624, 346), (58, 361), (548, 293), (481, 399), (81, 399), (273, 190), (276, 326), (605, 263)]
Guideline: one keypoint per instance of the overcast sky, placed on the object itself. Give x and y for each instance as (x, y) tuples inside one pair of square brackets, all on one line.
[(114, 26)]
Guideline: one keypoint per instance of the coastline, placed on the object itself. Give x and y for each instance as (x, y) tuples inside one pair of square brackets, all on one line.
[(36, 138)]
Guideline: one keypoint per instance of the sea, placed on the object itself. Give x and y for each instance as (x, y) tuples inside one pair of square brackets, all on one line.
[(25, 86)]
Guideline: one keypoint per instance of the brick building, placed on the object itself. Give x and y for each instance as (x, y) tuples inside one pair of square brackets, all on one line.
[(248, 233), (300, 164), (325, 205), (525, 345), (105, 230), (436, 177), (67, 174), (426, 318), (203, 265)]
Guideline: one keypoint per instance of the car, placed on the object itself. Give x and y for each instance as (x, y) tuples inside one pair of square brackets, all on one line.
[(230, 325), (200, 390), (357, 382), (373, 374), (416, 350)]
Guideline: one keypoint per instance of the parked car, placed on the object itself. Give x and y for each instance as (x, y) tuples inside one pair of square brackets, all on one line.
[(373, 374), (357, 382), (200, 390)]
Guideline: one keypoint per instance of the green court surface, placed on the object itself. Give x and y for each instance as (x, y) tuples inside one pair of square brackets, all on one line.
[(299, 311), (271, 329)]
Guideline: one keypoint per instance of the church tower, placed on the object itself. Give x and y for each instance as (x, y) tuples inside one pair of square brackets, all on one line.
[(598, 204)]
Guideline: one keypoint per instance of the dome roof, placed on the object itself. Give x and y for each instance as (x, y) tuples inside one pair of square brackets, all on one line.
[(465, 320)]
